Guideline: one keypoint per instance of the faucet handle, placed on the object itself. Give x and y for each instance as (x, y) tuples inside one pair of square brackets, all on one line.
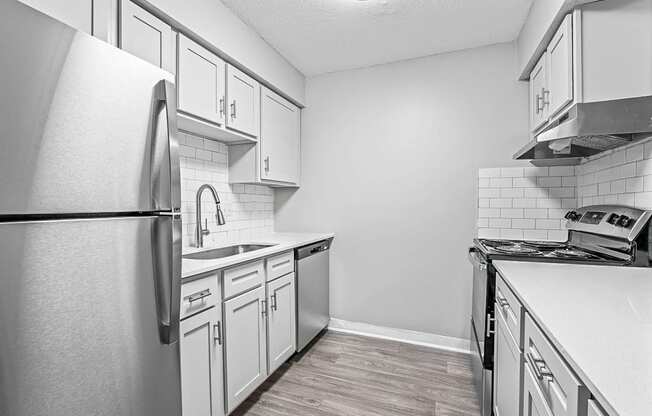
[(205, 230)]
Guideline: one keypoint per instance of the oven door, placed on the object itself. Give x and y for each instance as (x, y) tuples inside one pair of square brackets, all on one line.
[(481, 314)]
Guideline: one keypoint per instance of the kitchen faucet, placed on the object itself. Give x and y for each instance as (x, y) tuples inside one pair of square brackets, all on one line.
[(219, 216)]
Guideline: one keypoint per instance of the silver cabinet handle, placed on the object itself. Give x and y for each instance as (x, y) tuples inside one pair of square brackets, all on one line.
[(539, 367), (217, 333), (198, 296), (264, 307), (267, 164), (538, 100), (543, 98), (274, 302), (491, 326), (221, 104), (233, 113)]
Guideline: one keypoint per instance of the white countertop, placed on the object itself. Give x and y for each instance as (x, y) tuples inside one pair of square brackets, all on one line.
[(600, 319), (282, 242)]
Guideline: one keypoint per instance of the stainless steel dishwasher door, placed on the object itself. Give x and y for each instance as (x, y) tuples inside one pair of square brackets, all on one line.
[(313, 312)]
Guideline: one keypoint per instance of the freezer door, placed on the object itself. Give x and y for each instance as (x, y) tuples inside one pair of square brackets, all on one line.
[(80, 321), (84, 127)]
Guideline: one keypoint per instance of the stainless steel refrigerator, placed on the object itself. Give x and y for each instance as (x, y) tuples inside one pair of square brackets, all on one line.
[(90, 232)]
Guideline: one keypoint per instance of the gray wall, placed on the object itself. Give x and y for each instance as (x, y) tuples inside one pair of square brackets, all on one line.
[(389, 163)]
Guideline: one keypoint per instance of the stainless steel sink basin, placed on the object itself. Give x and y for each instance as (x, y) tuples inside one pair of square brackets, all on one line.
[(218, 253)]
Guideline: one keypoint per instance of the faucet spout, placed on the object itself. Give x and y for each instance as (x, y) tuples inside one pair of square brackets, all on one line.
[(219, 215)]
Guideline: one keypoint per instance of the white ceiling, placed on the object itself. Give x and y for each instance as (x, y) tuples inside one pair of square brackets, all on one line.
[(319, 36)]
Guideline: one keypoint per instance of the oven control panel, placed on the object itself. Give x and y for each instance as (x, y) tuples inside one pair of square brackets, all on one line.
[(611, 220)]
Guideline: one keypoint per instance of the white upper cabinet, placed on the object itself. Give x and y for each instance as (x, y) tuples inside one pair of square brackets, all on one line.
[(559, 92), (75, 13), (245, 340), (146, 36), (201, 82), (552, 82), (281, 327), (243, 97), (538, 83), (280, 131)]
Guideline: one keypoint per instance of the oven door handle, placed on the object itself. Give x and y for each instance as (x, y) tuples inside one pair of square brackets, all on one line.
[(476, 260)]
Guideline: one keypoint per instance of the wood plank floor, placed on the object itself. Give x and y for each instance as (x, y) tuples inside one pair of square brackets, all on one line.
[(358, 376)]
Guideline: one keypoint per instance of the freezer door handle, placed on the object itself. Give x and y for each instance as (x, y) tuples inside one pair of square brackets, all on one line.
[(166, 243), (166, 176)]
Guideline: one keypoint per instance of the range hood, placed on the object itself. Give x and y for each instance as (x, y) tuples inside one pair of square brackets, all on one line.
[(590, 128)]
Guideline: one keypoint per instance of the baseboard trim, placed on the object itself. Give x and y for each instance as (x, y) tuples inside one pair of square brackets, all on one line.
[(403, 335)]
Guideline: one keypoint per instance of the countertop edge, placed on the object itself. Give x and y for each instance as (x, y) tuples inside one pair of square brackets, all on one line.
[(593, 389), (258, 254)]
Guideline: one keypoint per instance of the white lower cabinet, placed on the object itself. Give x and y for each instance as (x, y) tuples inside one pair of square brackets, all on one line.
[(245, 345), (534, 404), (281, 327), (202, 381), (507, 371)]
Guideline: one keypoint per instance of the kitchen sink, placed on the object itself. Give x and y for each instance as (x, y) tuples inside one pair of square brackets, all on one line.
[(218, 253)]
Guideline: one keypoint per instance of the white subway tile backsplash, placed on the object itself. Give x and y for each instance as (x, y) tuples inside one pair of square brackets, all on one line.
[(547, 182), (562, 171), (511, 213), (535, 171), (524, 203), (500, 223), (500, 203), (483, 182), (489, 172), (540, 196), (511, 172), (500, 182), (248, 210), (511, 234), (535, 235), (548, 224), (489, 193)]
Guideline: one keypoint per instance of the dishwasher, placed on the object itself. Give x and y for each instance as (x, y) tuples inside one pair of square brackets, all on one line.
[(312, 287)]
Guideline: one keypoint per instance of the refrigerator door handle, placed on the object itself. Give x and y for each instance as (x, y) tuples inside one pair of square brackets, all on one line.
[(166, 175), (166, 243)]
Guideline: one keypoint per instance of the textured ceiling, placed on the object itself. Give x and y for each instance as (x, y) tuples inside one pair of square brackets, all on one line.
[(320, 36)]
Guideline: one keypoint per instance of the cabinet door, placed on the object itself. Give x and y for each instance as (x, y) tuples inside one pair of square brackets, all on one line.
[(202, 381), (243, 94), (560, 68), (245, 342), (75, 13), (538, 83), (281, 327), (280, 130), (201, 82), (144, 35), (534, 403), (507, 371)]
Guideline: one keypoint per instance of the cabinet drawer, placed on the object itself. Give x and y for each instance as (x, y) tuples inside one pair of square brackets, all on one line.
[(242, 278), (508, 306), (199, 295), (563, 393), (280, 265)]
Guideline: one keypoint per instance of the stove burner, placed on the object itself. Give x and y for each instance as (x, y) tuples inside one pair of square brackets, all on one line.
[(569, 252), (518, 249), (546, 244)]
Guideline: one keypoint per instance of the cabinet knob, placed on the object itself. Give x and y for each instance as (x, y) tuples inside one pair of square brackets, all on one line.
[(267, 164)]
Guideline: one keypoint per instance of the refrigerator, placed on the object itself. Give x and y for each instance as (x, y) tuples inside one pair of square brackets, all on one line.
[(90, 227)]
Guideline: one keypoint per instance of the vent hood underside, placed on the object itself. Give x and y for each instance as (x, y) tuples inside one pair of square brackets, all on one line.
[(587, 129)]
